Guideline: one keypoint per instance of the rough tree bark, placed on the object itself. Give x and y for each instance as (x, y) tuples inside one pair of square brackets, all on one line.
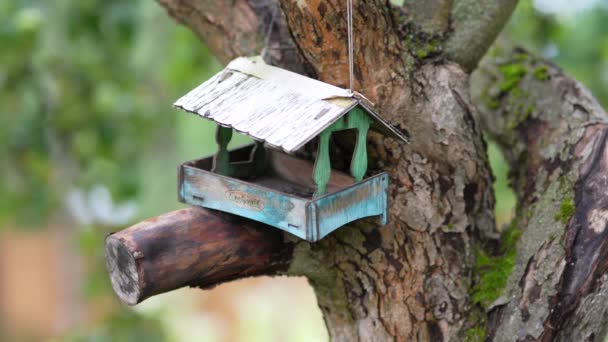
[(554, 134), (189, 247), (436, 271)]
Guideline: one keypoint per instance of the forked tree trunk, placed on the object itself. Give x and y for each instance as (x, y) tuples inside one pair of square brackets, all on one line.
[(438, 270), (555, 136)]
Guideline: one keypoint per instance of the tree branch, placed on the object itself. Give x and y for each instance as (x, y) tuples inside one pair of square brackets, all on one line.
[(554, 135), (476, 24), (191, 247), (431, 17), (238, 28)]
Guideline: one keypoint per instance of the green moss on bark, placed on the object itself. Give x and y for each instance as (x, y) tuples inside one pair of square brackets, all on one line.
[(521, 114), (492, 103), (492, 271), (420, 44), (512, 73), (519, 109), (476, 333), (541, 73), (423, 46), (566, 210)]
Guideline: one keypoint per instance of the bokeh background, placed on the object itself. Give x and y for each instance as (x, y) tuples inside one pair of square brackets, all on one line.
[(89, 144)]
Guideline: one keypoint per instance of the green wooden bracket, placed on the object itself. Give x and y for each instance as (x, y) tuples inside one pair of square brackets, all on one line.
[(355, 119), (322, 170), (221, 161), (361, 121), (259, 159)]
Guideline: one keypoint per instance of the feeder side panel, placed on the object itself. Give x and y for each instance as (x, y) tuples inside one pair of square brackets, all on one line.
[(237, 197), (367, 198)]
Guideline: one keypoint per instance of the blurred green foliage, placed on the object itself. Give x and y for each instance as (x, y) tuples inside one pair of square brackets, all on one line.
[(85, 94), (575, 38), (85, 87)]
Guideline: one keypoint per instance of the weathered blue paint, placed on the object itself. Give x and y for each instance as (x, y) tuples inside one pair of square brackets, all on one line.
[(210, 190), (307, 218), (366, 198)]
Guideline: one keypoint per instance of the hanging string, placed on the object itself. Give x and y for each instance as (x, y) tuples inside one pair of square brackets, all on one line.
[(349, 19), (269, 33)]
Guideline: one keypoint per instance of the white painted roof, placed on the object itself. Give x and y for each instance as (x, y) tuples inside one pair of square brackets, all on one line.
[(282, 108)]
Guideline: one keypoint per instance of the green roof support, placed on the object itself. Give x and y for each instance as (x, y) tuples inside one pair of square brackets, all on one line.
[(322, 170), (355, 119), (221, 162), (358, 119)]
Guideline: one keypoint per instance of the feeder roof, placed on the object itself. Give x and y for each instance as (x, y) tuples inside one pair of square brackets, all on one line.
[(282, 108)]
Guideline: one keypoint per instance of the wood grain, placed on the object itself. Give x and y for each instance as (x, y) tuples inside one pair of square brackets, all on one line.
[(190, 247)]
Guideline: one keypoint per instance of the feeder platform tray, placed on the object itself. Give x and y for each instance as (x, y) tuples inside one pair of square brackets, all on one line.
[(284, 196)]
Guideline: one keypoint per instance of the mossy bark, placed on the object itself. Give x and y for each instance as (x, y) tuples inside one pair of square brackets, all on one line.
[(553, 134)]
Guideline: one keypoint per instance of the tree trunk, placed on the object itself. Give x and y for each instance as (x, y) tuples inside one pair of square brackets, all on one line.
[(554, 134), (438, 270)]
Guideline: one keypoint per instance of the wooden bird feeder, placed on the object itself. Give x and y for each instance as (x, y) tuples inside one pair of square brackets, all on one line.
[(282, 111)]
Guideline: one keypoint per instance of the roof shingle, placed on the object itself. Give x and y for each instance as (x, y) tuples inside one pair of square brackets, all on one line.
[(284, 109)]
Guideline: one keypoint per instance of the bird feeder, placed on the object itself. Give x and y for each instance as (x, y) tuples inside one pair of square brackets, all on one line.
[(264, 181)]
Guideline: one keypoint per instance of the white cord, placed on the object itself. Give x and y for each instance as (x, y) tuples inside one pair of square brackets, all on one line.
[(268, 33), (349, 18)]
